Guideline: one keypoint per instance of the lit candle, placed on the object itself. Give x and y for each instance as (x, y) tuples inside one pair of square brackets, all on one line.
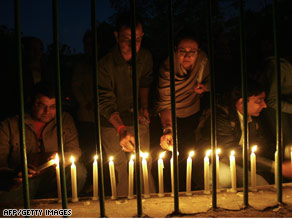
[(206, 172), (95, 179), (145, 175), (73, 181), (276, 168), (233, 171), (171, 175), (58, 177), (218, 151), (253, 167), (189, 174), (160, 174), (112, 177), (131, 178)]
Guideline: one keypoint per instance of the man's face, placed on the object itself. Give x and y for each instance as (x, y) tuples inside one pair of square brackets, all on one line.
[(187, 53), (255, 104), (44, 109), (123, 38)]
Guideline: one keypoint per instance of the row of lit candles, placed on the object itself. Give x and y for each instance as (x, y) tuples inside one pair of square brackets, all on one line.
[(160, 174)]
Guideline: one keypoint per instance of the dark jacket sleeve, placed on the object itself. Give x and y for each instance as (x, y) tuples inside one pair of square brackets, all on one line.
[(228, 133), (70, 137)]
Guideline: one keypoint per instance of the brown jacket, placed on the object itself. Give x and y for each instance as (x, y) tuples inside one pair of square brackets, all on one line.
[(10, 143)]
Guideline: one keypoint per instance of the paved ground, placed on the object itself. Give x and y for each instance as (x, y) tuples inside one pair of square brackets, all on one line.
[(263, 203)]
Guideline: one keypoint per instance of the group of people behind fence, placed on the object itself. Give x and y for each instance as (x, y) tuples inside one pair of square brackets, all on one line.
[(192, 85)]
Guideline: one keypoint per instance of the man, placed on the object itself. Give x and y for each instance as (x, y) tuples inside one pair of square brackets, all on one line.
[(116, 99), (229, 128), (41, 145)]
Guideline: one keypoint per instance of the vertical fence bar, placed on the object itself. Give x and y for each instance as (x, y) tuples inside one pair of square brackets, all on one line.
[(173, 109), (212, 102), (97, 117), (59, 103), (21, 111), (135, 106), (244, 100), (278, 100)]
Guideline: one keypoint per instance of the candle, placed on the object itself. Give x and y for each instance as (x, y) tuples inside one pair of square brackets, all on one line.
[(171, 175), (160, 174), (291, 162), (206, 172), (112, 177), (145, 175), (276, 168), (253, 167), (189, 174), (73, 181), (218, 151), (131, 177), (58, 177), (95, 179), (233, 171)]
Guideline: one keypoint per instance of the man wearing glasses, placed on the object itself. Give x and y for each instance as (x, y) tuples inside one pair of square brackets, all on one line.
[(41, 146), (191, 81)]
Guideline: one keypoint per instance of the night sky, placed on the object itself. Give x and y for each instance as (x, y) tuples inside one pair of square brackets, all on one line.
[(36, 19)]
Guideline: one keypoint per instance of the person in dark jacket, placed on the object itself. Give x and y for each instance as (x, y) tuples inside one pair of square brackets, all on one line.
[(41, 146)]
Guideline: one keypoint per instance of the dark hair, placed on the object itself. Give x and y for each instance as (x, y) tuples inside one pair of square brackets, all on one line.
[(44, 89), (124, 19), (254, 88), (186, 34)]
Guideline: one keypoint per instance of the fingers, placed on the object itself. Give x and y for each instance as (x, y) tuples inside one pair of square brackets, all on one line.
[(31, 173), (166, 142), (128, 143)]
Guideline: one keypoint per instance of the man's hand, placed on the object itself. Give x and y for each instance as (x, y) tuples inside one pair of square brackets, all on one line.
[(127, 140), (31, 173), (287, 169), (166, 142), (200, 88), (144, 117)]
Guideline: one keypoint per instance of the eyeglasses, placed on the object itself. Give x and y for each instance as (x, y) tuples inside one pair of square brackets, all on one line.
[(183, 52)]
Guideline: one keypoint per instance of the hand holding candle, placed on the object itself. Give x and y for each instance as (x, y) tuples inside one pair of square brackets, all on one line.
[(189, 173), (95, 179), (73, 181), (160, 174)]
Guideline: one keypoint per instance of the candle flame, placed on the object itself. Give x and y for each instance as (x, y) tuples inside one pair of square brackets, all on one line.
[(208, 152), (95, 157), (192, 153), (111, 158), (132, 157), (56, 160), (72, 159), (254, 148), (144, 155), (232, 153), (218, 151), (162, 154)]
